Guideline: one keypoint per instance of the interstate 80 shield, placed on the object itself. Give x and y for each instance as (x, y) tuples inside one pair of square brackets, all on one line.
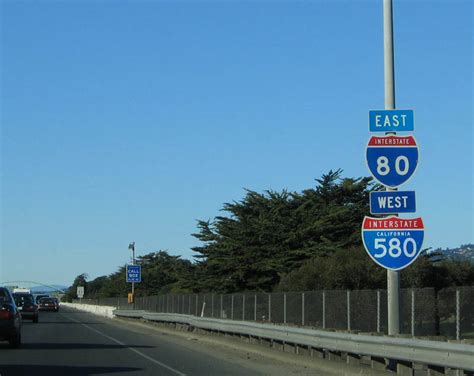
[(393, 242), (392, 160)]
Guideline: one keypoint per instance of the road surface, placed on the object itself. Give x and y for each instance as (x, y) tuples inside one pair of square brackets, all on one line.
[(75, 343)]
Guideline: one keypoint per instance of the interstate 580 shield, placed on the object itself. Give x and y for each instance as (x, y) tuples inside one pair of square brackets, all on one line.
[(393, 242), (392, 160)]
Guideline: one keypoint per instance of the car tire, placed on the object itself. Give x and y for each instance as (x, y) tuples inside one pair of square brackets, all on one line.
[(15, 341), (35, 320)]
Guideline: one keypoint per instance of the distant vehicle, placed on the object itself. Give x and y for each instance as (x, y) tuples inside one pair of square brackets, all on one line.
[(21, 290), (26, 305), (10, 319), (48, 304), (39, 296)]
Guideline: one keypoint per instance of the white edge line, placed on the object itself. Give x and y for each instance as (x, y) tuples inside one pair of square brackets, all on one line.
[(128, 347)]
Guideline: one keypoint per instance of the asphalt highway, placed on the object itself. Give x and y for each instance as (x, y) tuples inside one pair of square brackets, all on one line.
[(74, 343)]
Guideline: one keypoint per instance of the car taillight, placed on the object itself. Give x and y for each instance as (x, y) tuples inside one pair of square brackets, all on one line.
[(6, 313)]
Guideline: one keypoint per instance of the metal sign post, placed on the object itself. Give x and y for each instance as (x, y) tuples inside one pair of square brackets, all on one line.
[(393, 276), (131, 298)]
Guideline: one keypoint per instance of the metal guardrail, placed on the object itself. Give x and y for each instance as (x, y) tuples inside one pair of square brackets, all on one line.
[(442, 354)]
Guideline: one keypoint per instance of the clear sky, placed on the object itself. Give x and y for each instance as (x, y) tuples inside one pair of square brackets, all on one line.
[(128, 121)]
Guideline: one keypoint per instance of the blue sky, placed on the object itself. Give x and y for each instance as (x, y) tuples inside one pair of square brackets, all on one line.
[(128, 121)]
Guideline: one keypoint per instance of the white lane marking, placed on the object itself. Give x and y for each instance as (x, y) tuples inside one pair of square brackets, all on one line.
[(128, 347)]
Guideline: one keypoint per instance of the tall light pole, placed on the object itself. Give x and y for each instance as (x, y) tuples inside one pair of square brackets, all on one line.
[(132, 247), (393, 277)]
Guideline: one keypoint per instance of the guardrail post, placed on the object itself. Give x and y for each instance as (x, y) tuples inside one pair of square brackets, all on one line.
[(232, 306), (284, 308), (221, 315), (243, 307), (378, 311), (203, 305), (302, 309), (269, 307), (458, 315), (348, 303), (166, 298), (255, 308), (413, 312), (197, 298), (189, 304), (182, 307), (212, 305), (324, 309)]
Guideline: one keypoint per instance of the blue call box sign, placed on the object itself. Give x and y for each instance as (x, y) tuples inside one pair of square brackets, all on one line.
[(392, 202), (391, 121), (134, 273), (392, 160), (393, 242)]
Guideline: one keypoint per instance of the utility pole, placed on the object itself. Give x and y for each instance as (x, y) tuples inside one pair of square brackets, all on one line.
[(393, 277), (132, 247)]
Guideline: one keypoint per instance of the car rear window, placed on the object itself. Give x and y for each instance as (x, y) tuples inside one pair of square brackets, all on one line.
[(46, 300), (21, 300), (4, 296)]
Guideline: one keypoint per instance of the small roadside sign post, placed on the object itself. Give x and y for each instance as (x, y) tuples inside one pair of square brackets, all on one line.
[(80, 292), (135, 275)]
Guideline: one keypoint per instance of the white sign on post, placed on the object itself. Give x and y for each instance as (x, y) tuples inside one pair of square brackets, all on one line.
[(80, 292)]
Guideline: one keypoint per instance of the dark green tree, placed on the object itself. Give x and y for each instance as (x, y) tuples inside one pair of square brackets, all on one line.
[(268, 235)]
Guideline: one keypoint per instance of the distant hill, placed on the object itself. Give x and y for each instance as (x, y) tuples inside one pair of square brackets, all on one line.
[(45, 289), (463, 253)]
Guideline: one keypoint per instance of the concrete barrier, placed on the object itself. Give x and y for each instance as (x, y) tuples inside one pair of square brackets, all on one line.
[(104, 311)]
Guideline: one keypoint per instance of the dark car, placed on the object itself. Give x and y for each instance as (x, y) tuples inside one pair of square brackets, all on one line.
[(56, 300), (48, 304), (10, 319), (38, 297), (26, 305)]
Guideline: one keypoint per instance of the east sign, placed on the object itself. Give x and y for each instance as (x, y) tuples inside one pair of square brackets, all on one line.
[(391, 121)]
